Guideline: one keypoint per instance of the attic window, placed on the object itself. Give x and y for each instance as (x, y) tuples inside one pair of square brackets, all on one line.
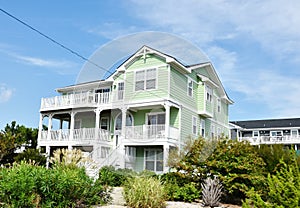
[(208, 93), (145, 79)]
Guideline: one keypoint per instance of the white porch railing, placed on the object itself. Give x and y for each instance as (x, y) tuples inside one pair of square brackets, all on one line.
[(272, 140), (80, 135), (146, 132), (76, 100)]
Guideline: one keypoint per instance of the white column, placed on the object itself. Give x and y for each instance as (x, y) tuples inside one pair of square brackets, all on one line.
[(72, 125), (97, 122), (124, 113), (40, 130), (166, 156), (167, 119), (49, 126)]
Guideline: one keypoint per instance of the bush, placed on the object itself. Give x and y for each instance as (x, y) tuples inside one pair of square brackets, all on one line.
[(144, 192), (109, 176), (178, 188), (28, 185), (236, 164), (283, 189), (211, 192)]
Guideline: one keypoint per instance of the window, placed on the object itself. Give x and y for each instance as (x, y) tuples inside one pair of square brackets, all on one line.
[(145, 79), (120, 90), (190, 87), (294, 132), (154, 160), (212, 131), (118, 124), (156, 119), (194, 124), (255, 133), (208, 93), (219, 132), (203, 128), (219, 105)]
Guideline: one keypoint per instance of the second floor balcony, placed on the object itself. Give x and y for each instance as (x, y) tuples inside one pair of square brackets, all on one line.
[(85, 99), (287, 139)]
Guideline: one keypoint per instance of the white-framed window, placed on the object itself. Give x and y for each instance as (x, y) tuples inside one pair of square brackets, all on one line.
[(194, 125), (294, 132), (120, 90), (208, 93), (255, 133), (219, 105), (156, 118), (154, 160), (212, 131), (203, 128), (190, 87), (276, 133), (145, 79)]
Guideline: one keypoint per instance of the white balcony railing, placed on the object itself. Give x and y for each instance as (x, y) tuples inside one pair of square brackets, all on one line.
[(76, 100), (148, 132), (79, 135), (272, 140)]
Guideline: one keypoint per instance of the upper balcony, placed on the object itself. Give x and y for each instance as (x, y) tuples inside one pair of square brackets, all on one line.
[(288, 139), (85, 99)]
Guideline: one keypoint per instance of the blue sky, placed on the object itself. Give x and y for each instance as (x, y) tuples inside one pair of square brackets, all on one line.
[(254, 46)]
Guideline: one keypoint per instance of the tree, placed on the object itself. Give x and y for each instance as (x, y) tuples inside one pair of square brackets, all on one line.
[(236, 164), (13, 137)]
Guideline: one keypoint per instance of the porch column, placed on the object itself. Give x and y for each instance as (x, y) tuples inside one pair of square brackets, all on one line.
[(124, 111), (49, 126), (166, 156), (123, 134), (167, 119), (97, 122), (40, 130), (72, 125)]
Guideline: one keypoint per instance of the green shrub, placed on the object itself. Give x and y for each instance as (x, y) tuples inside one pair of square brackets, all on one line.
[(144, 192), (28, 185), (109, 176), (178, 188), (283, 189), (236, 164)]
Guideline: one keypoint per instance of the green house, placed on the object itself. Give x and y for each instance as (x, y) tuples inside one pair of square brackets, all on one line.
[(150, 104)]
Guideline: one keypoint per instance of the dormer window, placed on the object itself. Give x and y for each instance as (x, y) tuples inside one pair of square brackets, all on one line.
[(145, 79)]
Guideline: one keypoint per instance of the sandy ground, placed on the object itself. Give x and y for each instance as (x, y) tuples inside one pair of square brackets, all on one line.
[(118, 202)]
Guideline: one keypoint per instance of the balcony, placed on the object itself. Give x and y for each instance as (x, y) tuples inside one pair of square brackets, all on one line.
[(272, 140), (78, 136), (87, 99), (151, 132)]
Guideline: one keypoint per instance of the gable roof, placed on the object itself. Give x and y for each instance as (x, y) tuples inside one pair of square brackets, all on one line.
[(268, 123)]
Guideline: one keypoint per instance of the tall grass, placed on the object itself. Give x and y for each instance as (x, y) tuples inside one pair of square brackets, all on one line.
[(144, 192)]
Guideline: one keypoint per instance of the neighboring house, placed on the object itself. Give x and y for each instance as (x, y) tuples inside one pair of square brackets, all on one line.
[(269, 131), (149, 105)]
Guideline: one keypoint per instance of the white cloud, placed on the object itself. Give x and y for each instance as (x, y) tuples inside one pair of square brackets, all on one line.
[(44, 62), (5, 93)]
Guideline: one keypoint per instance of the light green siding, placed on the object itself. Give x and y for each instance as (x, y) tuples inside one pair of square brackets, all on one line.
[(174, 117), (162, 83)]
